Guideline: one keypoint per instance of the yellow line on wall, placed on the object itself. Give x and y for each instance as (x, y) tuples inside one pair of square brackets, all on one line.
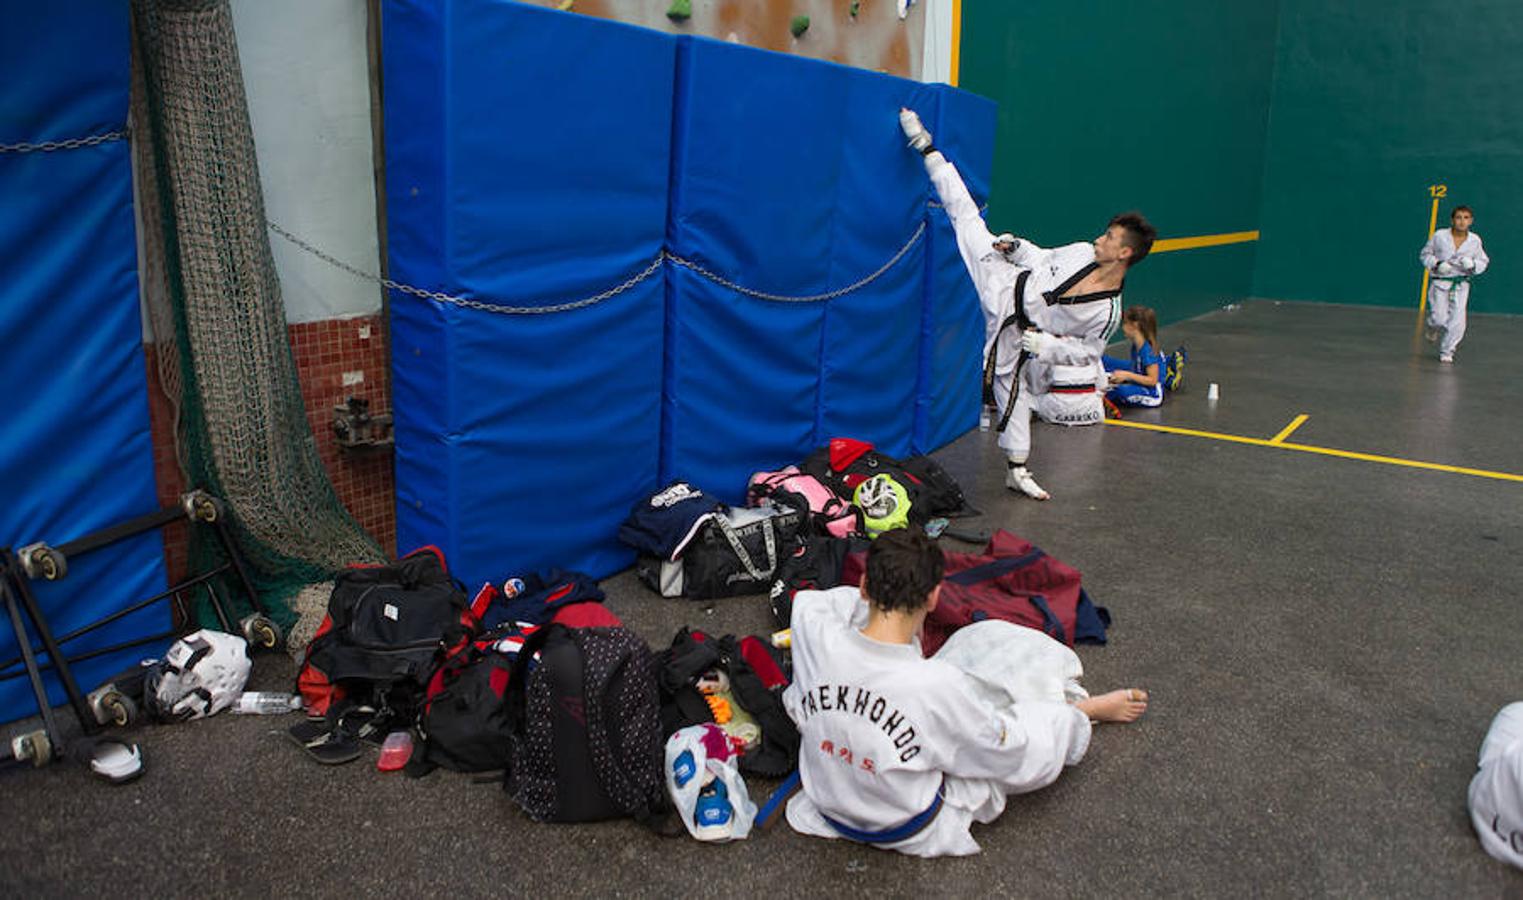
[(956, 39), (1286, 431), (1323, 451), (1204, 240)]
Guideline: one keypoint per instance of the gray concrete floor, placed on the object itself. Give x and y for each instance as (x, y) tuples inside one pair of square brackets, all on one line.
[(1325, 641)]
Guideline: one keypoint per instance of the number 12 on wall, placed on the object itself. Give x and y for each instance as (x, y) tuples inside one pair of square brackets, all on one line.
[(1436, 191)]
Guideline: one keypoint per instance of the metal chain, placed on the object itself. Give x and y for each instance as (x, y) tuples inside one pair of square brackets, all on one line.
[(69, 144), (628, 283), (464, 302), (811, 298)]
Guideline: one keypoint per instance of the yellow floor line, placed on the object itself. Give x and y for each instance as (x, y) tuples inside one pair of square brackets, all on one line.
[(1324, 451), (1294, 424)]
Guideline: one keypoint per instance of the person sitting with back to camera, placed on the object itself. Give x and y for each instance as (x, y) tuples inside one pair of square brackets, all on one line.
[(904, 752), (1138, 381)]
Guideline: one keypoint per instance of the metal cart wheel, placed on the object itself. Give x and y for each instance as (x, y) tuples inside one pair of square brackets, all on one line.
[(115, 708), (261, 631)]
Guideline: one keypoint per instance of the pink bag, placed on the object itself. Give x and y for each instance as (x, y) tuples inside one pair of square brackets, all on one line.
[(791, 488)]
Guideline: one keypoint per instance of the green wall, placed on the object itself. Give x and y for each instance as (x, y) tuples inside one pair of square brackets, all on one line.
[(1107, 105), (1373, 102)]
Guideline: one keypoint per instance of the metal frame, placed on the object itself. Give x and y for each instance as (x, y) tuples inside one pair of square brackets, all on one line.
[(34, 561)]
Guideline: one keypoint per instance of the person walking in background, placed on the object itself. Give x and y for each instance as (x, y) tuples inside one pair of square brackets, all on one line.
[(1453, 255)]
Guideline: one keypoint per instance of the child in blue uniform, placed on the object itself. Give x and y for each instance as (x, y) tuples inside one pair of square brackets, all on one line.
[(1140, 381)]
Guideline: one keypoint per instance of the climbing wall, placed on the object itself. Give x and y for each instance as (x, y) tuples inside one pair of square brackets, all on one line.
[(869, 34)]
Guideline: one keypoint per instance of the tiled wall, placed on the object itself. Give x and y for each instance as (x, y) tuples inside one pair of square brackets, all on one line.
[(335, 359)]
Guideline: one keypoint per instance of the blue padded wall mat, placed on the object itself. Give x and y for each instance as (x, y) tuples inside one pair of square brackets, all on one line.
[(963, 126), (77, 456), (528, 157), (787, 182), (742, 387)]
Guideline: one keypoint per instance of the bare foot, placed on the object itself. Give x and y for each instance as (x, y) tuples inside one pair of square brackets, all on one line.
[(1125, 705)]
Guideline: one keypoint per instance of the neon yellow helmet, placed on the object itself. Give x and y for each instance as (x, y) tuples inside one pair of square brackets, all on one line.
[(884, 502)]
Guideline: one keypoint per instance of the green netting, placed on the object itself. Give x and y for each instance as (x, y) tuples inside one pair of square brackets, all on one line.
[(215, 306)]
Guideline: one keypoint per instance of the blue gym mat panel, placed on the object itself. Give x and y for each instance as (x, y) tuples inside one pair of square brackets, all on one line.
[(553, 425), (564, 121), (755, 160), (524, 437), (872, 347), (423, 396), (503, 112), (873, 338), (559, 440), (77, 455), (743, 384), (416, 122)]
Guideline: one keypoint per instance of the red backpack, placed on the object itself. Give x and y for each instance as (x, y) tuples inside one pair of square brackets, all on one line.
[(1015, 581)]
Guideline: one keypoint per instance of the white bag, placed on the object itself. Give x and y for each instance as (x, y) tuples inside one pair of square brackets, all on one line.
[(702, 778)]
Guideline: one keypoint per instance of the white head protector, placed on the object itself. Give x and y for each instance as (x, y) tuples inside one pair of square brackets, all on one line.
[(201, 674)]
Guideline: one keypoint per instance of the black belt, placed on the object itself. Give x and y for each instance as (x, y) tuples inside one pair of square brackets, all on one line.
[(1017, 318)]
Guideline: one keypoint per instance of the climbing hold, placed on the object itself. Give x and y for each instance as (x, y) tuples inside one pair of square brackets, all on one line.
[(855, 5), (680, 10), (566, 5), (799, 25)]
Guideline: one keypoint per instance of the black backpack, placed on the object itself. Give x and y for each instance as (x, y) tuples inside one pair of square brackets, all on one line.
[(757, 679), (814, 564), (387, 628), (931, 490), (940, 494), (586, 738), (464, 720)]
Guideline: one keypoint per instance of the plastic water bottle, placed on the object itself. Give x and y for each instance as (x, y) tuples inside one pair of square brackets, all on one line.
[(266, 703), (983, 418)]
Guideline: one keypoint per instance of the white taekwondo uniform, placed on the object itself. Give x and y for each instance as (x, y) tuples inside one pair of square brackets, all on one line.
[(1496, 791), (1449, 289), (884, 729), (1065, 383)]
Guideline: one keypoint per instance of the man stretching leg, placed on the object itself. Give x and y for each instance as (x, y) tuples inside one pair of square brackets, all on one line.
[(1048, 314)]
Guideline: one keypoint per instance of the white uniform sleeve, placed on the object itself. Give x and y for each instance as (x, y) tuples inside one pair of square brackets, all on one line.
[(1024, 747), (1028, 255), (817, 610), (1481, 259), (1429, 254)]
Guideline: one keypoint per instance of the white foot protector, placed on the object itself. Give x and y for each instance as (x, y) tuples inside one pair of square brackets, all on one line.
[(1446, 357), (919, 138), (1019, 479)]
